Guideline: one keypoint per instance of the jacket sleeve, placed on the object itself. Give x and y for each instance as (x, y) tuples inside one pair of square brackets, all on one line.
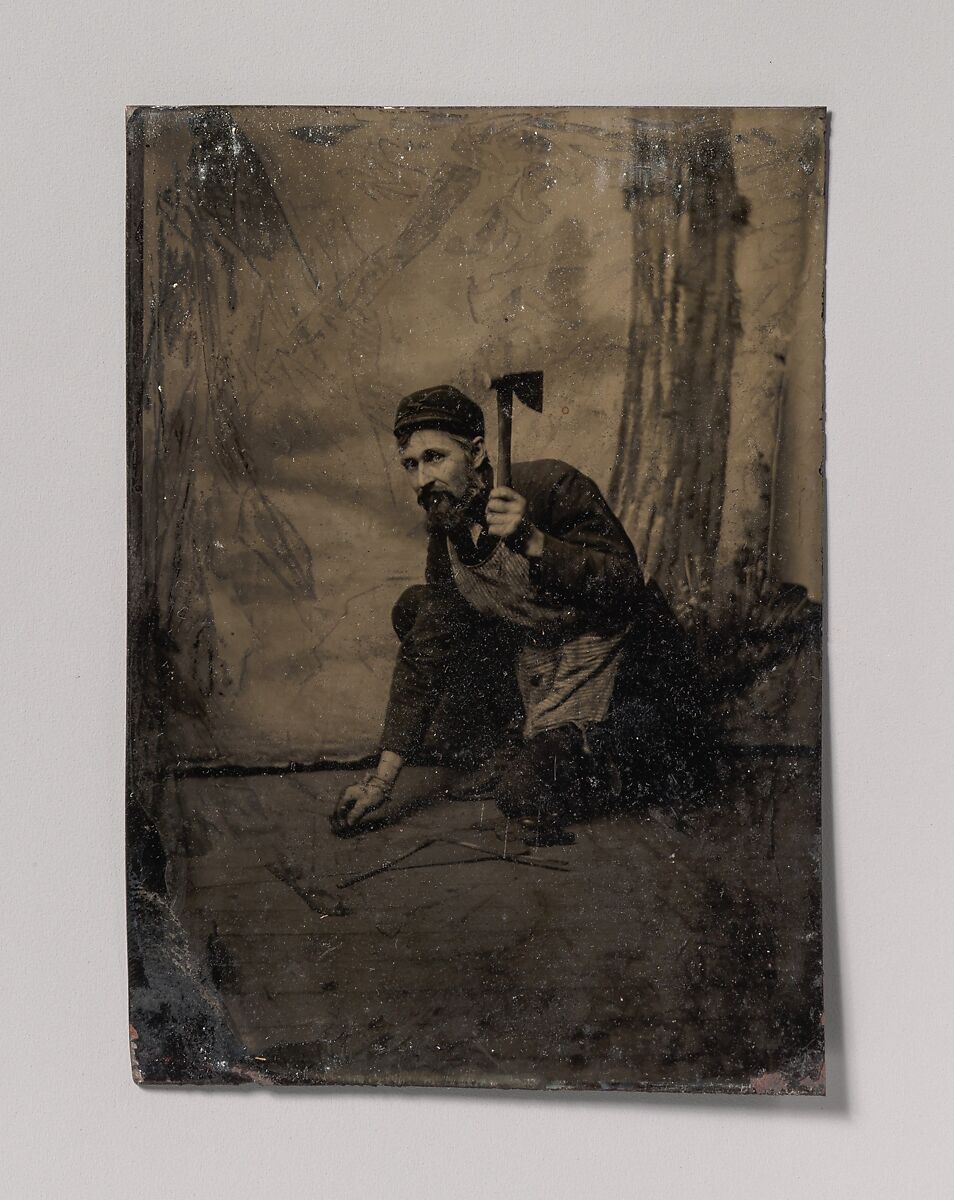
[(425, 656), (410, 706), (587, 558)]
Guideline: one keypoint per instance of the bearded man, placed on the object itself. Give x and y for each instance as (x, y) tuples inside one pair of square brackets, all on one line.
[(535, 628)]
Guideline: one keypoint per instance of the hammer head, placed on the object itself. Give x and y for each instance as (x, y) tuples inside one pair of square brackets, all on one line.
[(527, 386)]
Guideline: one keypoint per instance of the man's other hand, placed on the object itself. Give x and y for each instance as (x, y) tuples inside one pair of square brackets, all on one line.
[(355, 803)]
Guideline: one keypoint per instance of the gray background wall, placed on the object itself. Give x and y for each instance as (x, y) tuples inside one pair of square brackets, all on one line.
[(73, 1124)]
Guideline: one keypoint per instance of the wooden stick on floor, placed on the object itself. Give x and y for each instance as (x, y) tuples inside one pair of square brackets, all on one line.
[(386, 865)]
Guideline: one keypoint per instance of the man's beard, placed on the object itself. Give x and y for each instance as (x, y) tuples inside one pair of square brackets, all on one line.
[(449, 513)]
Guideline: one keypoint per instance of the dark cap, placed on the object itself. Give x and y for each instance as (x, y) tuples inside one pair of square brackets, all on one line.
[(442, 407)]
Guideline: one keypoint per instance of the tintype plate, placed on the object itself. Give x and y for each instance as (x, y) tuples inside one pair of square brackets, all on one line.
[(475, 625)]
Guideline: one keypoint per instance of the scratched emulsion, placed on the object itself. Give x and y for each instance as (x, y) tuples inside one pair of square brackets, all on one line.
[(301, 270), (646, 955)]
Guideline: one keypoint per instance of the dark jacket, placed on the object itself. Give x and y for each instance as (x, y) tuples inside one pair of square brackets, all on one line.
[(589, 563)]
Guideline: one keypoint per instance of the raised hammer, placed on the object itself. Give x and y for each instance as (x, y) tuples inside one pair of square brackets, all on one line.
[(527, 386)]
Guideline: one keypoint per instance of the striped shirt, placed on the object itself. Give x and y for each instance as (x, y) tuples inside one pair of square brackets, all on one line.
[(565, 676)]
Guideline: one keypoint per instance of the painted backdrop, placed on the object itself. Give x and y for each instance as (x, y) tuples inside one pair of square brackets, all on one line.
[(305, 268)]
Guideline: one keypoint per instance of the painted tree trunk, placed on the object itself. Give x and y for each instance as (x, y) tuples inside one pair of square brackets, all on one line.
[(668, 480), (771, 523)]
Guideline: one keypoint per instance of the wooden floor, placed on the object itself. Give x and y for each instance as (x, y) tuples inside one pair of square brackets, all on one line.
[(644, 955)]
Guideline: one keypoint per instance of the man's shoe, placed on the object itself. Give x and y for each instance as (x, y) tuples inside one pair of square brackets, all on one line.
[(545, 833)]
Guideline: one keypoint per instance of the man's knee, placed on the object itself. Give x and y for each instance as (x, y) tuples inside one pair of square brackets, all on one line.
[(405, 610)]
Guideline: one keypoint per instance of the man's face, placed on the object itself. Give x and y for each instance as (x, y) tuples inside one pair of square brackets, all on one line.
[(443, 472)]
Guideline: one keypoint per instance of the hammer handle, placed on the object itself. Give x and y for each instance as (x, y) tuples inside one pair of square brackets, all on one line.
[(504, 430)]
